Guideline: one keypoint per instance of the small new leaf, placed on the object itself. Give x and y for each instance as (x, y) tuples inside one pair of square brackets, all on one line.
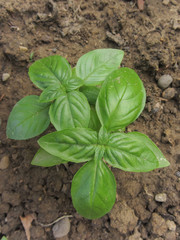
[(51, 93), (45, 159), (74, 145), (28, 119), (91, 93), (94, 122)]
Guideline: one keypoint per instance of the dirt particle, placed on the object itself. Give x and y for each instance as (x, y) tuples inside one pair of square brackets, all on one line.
[(4, 208), (171, 236), (159, 226), (164, 81), (11, 197), (171, 225), (123, 218), (5, 77), (61, 228), (161, 197)]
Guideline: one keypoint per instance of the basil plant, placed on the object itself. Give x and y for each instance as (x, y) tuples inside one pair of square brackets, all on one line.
[(90, 107)]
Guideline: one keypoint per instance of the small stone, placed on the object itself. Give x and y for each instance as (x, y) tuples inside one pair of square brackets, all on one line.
[(161, 197), (164, 81), (174, 2), (5, 77), (23, 49), (176, 25), (4, 162), (169, 93), (61, 228), (178, 174), (54, 50), (171, 225), (165, 2)]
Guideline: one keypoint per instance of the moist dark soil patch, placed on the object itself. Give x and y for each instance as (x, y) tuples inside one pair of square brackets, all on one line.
[(151, 41)]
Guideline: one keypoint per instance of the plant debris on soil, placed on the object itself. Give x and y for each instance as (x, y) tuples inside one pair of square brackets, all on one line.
[(147, 204)]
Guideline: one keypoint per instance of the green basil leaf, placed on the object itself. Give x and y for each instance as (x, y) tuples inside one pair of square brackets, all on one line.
[(49, 71), (93, 190), (103, 136), (94, 122), (74, 145), (133, 152), (121, 99), (45, 159), (91, 93), (73, 83), (93, 67), (69, 111), (28, 119), (51, 93)]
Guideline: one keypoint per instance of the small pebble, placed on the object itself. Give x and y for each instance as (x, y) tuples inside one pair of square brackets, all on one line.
[(165, 2), (4, 162), (54, 50), (169, 93), (174, 2), (178, 174), (171, 225), (161, 197), (23, 49), (176, 25), (61, 228), (5, 77), (164, 81)]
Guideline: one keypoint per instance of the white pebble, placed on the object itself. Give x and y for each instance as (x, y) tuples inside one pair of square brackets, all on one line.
[(61, 228), (5, 77), (164, 81), (161, 197)]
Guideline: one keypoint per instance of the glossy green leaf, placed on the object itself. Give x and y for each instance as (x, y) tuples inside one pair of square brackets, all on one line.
[(49, 71), (69, 111), (73, 84), (93, 190), (28, 119), (45, 159), (94, 122), (121, 99), (51, 93), (133, 152), (4, 238), (74, 145), (103, 136), (93, 67), (91, 93)]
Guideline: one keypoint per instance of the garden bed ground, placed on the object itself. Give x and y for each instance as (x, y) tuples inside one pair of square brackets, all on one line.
[(70, 28)]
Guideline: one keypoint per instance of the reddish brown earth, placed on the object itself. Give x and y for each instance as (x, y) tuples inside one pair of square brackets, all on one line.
[(70, 28)]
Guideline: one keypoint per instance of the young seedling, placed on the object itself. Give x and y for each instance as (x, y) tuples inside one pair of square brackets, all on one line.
[(101, 140), (61, 102)]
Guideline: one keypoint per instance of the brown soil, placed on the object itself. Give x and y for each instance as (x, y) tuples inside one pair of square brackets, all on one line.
[(151, 41)]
